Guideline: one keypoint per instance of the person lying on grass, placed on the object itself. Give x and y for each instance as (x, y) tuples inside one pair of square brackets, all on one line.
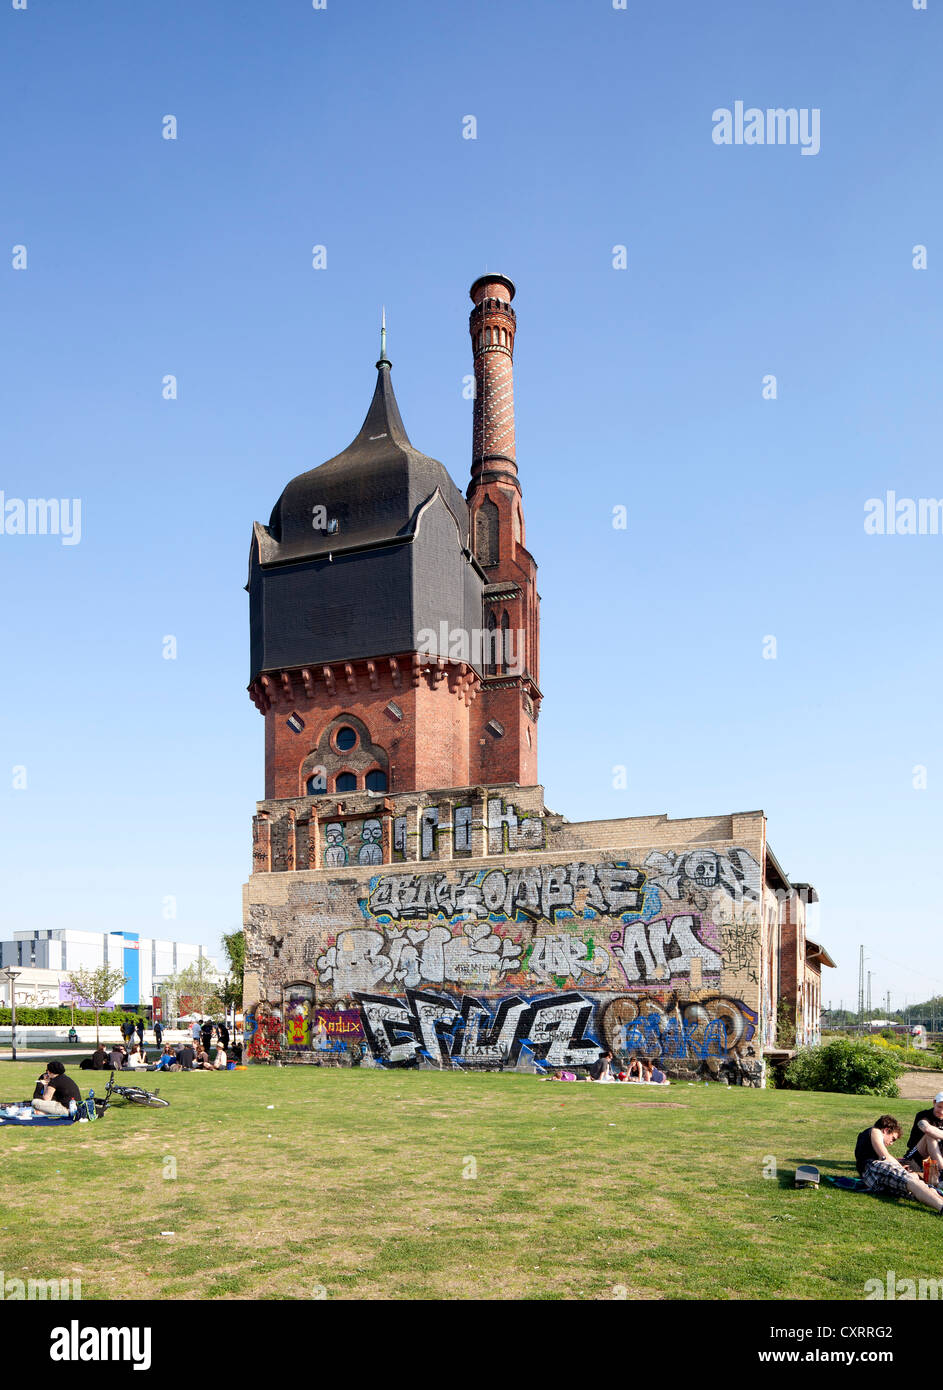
[(926, 1136), (881, 1172)]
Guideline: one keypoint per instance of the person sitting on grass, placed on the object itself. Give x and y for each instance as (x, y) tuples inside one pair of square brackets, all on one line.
[(58, 1090), (881, 1172), (138, 1059), (117, 1058), (167, 1059), (220, 1061), (926, 1136), (634, 1072), (658, 1077), (601, 1069), (184, 1058), (98, 1060), (201, 1060)]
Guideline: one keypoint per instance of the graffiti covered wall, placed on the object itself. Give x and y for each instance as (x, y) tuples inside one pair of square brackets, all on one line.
[(652, 952)]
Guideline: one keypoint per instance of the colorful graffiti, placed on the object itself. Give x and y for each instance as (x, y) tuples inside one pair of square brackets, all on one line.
[(477, 1032), (473, 953), (529, 893), (737, 873), (262, 1032), (711, 1029)]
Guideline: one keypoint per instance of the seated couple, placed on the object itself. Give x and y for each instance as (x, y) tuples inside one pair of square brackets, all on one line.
[(880, 1171), (639, 1069)]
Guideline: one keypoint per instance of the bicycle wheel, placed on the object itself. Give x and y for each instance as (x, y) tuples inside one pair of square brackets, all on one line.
[(155, 1102)]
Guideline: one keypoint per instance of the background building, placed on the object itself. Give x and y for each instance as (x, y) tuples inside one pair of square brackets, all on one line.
[(409, 885), (145, 961)]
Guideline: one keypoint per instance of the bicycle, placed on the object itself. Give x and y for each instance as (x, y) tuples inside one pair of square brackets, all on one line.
[(134, 1095)]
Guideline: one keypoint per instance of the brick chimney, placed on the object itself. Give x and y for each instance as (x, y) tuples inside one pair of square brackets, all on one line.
[(505, 715), (493, 324)]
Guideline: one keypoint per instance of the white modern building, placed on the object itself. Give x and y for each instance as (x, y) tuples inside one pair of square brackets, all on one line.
[(146, 961)]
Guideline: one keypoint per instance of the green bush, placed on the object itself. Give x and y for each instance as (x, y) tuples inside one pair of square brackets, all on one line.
[(59, 1018), (851, 1066)]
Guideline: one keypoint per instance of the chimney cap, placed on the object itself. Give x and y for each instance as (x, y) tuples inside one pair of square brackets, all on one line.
[(492, 279)]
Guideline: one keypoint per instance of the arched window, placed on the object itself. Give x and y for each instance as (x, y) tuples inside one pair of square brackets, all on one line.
[(488, 336), (376, 781), (346, 782), (487, 529), (506, 653), (317, 784)]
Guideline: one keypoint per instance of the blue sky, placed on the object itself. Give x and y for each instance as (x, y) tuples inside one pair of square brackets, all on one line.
[(642, 387)]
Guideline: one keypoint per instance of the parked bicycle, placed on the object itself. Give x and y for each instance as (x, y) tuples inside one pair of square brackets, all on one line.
[(133, 1095)]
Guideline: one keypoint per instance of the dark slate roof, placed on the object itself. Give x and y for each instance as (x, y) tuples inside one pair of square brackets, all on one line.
[(374, 490)]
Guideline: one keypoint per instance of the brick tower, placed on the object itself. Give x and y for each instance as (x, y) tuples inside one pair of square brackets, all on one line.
[(370, 609), (510, 693)]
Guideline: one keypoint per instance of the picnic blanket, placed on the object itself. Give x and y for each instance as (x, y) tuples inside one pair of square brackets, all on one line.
[(22, 1113)]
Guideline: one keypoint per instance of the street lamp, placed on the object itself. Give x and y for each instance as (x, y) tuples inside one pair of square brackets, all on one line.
[(12, 977)]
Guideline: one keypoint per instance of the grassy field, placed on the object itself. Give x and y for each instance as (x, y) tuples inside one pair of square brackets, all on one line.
[(353, 1184)]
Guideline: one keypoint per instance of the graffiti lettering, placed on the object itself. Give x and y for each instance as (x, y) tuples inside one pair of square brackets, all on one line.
[(736, 872), (439, 1028), (538, 891), (655, 950)]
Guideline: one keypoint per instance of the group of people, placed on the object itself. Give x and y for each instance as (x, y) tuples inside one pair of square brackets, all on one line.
[(880, 1171), (196, 1055), (129, 1028), (639, 1069)]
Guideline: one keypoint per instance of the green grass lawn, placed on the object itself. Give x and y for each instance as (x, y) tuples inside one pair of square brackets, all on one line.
[(354, 1183)]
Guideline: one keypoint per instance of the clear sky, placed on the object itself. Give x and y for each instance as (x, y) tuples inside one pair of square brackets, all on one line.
[(642, 387)]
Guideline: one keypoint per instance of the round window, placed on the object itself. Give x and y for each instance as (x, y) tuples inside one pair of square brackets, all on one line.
[(345, 739)]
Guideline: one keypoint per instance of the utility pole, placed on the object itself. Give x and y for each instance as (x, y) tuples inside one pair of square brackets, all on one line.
[(861, 987), (888, 1011), (869, 1001)]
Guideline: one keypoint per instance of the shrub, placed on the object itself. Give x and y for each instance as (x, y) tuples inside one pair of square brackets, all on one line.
[(61, 1018), (848, 1065)]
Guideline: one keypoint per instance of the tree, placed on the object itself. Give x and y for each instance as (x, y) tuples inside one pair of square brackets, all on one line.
[(198, 983), (234, 944), (97, 987)]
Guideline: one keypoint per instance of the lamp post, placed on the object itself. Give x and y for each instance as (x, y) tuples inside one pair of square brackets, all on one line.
[(12, 977)]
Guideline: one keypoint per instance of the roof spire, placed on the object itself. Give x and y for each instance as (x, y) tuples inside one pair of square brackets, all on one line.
[(383, 356)]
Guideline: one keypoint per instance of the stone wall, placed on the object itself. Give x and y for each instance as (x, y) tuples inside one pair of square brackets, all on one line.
[(501, 938)]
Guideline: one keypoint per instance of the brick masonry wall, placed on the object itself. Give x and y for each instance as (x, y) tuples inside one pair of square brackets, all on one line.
[(502, 948)]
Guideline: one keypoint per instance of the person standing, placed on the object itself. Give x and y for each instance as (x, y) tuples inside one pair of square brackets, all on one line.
[(222, 1032), (206, 1034), (195, 1030), (158, 1031), (140, 1031)]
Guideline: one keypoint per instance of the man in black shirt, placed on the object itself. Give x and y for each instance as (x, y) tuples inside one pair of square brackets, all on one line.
[(926, 1135), (185, 1057), (59, 1090), (881, 1172), (601, 1069)]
